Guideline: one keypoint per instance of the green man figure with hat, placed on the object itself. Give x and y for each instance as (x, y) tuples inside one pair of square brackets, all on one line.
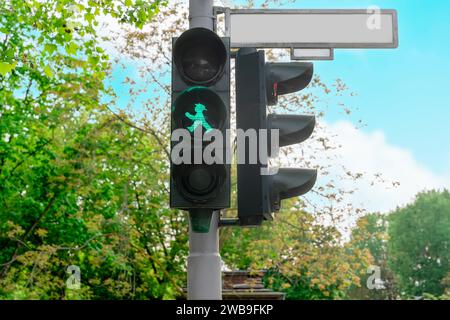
[(198, 118)]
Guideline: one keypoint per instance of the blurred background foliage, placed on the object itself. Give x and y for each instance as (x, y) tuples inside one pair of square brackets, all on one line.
[(83, 184)]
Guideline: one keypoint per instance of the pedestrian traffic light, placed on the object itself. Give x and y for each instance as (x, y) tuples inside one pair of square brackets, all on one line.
[(200, 106), (258, 84)]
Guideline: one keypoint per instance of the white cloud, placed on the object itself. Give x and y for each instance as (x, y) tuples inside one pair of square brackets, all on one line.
[(371, 154)]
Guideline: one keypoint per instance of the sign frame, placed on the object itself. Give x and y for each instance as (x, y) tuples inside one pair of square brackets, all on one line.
[(312, 45), (312, 55)]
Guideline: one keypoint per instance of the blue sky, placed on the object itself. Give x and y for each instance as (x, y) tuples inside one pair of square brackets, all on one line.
[(402, 92)]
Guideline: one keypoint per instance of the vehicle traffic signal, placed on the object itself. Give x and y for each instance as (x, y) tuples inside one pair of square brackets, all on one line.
[(200, 106), (258, 84)]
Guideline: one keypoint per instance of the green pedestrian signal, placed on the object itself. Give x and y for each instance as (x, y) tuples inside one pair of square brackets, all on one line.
[(199, 106), (198, 118), (200, 100)]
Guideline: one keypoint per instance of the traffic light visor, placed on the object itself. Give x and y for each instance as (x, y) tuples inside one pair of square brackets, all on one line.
[(200, 56)]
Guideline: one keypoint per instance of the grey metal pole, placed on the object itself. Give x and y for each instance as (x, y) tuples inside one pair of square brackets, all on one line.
[(201, 14), (204, 263)]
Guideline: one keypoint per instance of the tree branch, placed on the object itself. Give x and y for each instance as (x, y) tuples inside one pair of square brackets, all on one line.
[(150, 131), (27, 233)]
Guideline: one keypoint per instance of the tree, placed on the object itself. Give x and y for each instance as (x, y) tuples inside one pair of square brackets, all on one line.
[(95, 198), (79, 185), (305, 259), (419, 245), (370, 233)]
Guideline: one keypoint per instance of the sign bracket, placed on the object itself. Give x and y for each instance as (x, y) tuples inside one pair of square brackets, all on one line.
[(310, 34)]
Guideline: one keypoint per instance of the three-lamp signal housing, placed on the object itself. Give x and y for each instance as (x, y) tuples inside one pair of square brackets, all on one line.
[(200, 101), (259, 84)]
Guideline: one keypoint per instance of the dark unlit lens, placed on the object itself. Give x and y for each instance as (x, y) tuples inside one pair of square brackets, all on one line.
[(200, 63), (200, 56), (200, 180)]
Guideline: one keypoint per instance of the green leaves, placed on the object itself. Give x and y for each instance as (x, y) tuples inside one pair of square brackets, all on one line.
[(89, 17), (75, 180), (48, 71), (72, 48), (50, 48), (305, 258), (410, 246), (93, 60), (6, 68), (419, 244)]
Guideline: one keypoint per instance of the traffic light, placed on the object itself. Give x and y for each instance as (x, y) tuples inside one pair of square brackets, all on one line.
[(200, 105), (258, 84)]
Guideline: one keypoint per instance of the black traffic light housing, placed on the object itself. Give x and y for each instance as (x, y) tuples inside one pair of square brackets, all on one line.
[(200, 101), (252, 195), (258, 84)]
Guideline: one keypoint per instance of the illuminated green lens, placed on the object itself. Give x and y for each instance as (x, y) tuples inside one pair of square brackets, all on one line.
[(199, 107)]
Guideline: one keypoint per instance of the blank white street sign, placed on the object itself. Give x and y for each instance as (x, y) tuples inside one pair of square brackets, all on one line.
[(313, 28), (312, 54)]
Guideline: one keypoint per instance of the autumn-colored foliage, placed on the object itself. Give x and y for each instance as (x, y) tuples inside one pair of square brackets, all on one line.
[(84, 178)]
